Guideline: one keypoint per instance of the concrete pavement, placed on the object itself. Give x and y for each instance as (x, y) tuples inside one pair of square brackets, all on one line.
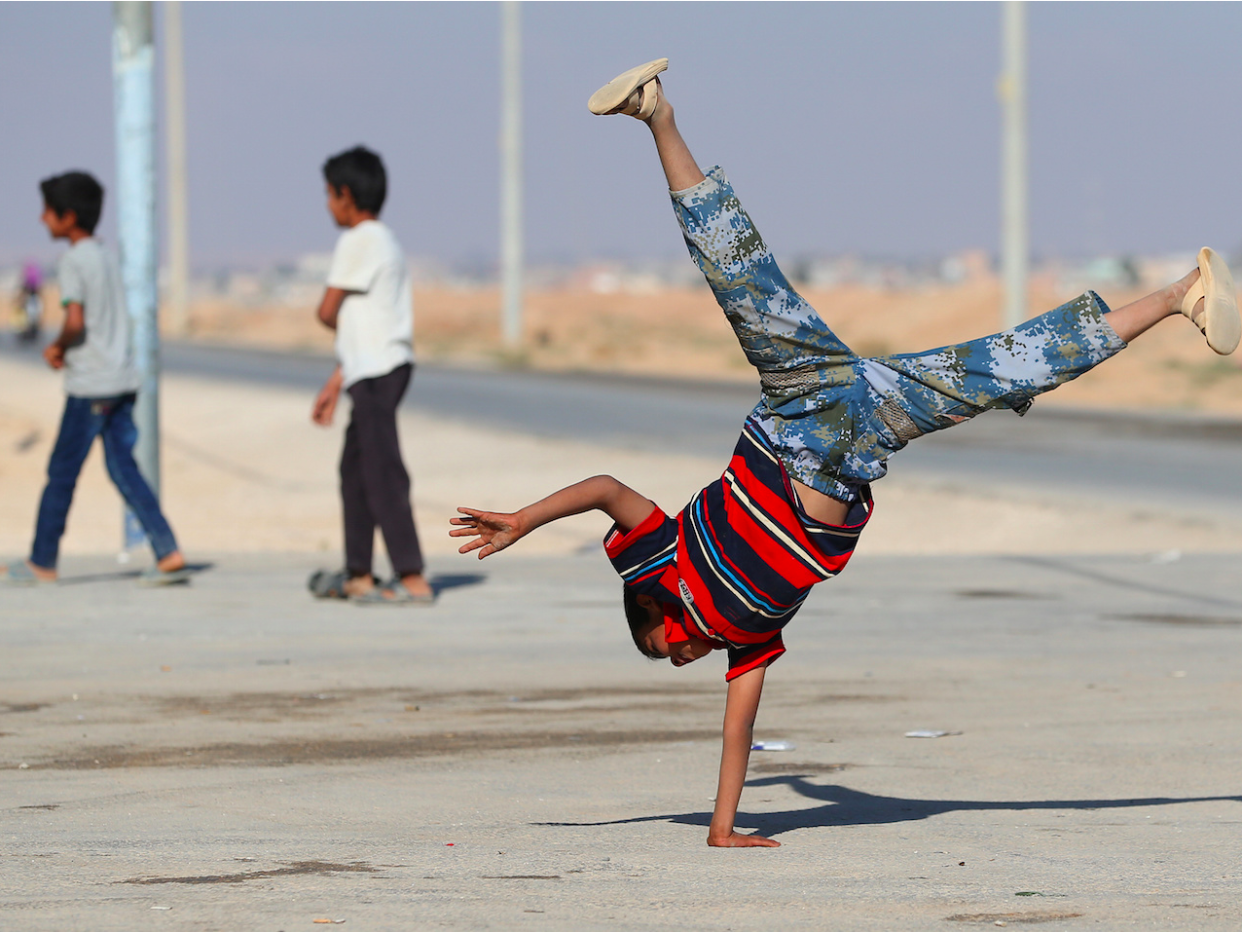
[(234, 755)]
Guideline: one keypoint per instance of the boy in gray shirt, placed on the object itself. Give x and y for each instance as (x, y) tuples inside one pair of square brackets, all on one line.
[(101, 385)]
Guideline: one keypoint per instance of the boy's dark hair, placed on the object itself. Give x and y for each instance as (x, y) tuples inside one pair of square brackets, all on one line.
[(639, 620), (362, 171), (76, 191)]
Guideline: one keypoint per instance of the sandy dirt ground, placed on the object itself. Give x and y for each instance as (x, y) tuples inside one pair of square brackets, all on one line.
[(245, 470), (682, 332)]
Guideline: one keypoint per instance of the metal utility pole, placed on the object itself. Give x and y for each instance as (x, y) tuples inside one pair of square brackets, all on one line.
[(511, 171), (178, 202), (133, 81), (1015, 248)]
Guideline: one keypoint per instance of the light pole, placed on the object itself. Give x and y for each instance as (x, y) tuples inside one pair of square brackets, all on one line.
[(1015, 248), (511, 171), (133, 81), (178, 201)]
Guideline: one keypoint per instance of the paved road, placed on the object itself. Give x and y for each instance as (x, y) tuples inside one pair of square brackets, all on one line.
[(1164, 462), (235, 755)]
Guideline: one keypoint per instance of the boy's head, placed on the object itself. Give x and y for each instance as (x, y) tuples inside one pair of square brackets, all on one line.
[(654, 637), (357, 185), (71, 201)]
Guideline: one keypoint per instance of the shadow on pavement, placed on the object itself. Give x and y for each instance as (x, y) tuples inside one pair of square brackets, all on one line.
[(843, 806), (121, 575), (444, 581)]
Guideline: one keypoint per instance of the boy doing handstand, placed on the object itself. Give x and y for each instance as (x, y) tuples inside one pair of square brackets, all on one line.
[(731, 570)]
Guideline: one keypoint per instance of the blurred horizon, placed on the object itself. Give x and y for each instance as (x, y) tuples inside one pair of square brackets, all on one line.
[(867, 130)]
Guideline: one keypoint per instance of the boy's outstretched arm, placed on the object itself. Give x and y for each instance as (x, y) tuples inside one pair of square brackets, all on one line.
[(494, 531), (739, 731)]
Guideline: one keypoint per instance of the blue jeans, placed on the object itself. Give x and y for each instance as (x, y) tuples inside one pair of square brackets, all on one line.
[(834, 417), (84, 420)]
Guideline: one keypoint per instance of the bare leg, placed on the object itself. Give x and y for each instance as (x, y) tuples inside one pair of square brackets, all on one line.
[(680, 168), (1145, 313)]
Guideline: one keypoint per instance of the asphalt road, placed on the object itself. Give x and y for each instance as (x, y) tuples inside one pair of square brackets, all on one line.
[(1163, 462)]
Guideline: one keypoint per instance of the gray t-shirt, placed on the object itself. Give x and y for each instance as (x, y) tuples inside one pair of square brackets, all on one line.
[(101, 365)]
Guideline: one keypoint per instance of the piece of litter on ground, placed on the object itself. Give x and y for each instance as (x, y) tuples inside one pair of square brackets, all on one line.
[(1176, 674), (329, 922), (773, 746), (161, 907), (23, 766), (930, 733), (1166, 556), (166, 669)]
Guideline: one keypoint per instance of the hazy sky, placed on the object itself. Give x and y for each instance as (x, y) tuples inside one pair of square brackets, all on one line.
[(869, 128)]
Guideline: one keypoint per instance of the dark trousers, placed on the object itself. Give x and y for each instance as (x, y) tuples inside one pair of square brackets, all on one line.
[(84, 420), (375, 488)]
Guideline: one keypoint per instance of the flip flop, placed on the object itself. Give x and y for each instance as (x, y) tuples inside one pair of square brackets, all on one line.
[(392, 593), (1219, 320), (19, 573), (326, 584), (153, 577), (619, 95)]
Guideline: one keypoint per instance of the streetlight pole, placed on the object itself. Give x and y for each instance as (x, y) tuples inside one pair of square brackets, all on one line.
[(133, 81), (1015, 248), (511, 171), (178, 200)]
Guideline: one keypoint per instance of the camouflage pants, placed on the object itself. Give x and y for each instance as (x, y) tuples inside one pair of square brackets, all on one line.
[(834, 417)]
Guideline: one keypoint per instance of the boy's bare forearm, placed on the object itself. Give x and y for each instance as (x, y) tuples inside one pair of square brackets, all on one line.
[(330, 306), (741, 707), (72, 329), (734, 758), (604, 493), (494, 531)]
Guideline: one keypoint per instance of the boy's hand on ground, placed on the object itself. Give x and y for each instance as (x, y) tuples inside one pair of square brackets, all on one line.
[(734, 840), (55, 355), (492, 531)]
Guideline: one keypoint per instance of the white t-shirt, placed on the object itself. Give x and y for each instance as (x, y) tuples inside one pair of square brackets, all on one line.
[(102, 365), (375, 329)]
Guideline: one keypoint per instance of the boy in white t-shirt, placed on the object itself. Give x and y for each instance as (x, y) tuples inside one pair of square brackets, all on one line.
[(369, 304)]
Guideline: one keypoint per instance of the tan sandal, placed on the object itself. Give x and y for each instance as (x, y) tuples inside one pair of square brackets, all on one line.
[(633, 93), (1219, 320)]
